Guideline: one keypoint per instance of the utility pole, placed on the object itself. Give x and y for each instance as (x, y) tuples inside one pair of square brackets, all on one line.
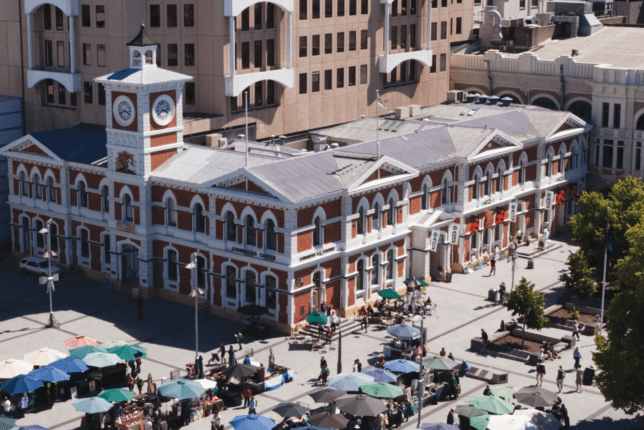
[(195, 290), (50, 279)]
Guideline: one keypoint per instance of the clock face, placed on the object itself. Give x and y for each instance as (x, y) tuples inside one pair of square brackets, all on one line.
[(163, 110), (124, 111)]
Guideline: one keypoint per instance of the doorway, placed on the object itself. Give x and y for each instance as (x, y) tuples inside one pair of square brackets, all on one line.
[(129, 262)]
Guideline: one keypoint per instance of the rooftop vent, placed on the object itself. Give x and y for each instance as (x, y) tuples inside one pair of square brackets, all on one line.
[(575, 52), (471, 98), (506, 101), (493, 100)]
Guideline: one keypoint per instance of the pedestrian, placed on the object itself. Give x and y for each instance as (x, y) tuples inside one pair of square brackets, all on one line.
[(139, 305), (231, 356), (252, 406), (560, 378), (130, 382), (222, 353), (443, 353), (450, 417), (359, 365), (502, 292), (239, 336), (365, 323), (6, 405), (355, 366), (541, 370), (487, 391), (577, 356), (450, 356), (214, 356), (579, 378), (564, 414), (216, 423), (333, 319), (245, 396), (485, 338), (139, 385), (492, 266), (575, 329)]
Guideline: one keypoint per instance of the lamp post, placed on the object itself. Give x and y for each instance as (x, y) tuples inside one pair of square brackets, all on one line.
[(195, 290), (50, 279), (421, 384)]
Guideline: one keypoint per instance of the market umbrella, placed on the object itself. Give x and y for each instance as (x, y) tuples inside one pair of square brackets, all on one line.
[(83, 351), (239, 371), (504, 392), (316, 318), (469, 411), (382, 390), (253, 310), (439, 363), (117, 395), (20, 384), (70, 365), (438, 426), (403, 331), (252, 422), (537, 397), (101, 359), (6, 423), (480, 422), (540, 420), (11, 368), (113, 343), (389, 294), (509, 422), (350, 381), (493, 404), (128, 352), (49, 374), (402, 366), (44, 356), (360, 405), (381, 375), (328, 420), (327, 395), (291, 410), (207, 384), (77, 341), (93, 405), (182, 389)]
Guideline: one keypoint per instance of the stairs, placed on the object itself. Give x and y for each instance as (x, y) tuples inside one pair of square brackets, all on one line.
[(348, 327)]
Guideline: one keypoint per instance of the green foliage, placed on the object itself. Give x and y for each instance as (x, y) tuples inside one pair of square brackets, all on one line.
[(621, 355), (626, 203), (630, 269), (578, 282), (575, 314), (527, 304)]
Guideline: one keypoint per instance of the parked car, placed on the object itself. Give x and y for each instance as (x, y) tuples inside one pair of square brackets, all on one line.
[(37, 266)]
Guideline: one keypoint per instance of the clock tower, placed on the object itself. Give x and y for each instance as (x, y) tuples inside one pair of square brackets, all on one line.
[(144, 115)]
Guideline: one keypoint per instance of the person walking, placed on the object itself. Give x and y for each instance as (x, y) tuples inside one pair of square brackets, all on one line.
[(324, 371), (231, 356), (575, 329), (577, 356), (130, 382), (139, 305), (239, 336), (560, 378), (450, 417), (139, 385), (252, 406), (365, 323), (487, 391), (355, 366), (492, 266), (502, 292), (359, 365), (541, 370), (579, 378), (245, 395), (222, 353)]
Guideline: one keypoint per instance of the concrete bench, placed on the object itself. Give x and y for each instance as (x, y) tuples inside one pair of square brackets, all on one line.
[(487, 375)]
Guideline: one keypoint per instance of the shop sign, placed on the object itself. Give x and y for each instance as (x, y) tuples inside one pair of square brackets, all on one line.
[(126, 227), (433, 239), (317, 254), (453, 234)]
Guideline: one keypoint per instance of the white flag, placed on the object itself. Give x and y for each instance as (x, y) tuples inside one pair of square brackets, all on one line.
[(380, 102)]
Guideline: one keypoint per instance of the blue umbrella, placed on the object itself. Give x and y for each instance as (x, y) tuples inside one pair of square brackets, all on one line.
[(20, 384), (402, 366), (70, 365), (381, 375), (49, 374), (252, 422), (93, 405), (404, 331), (438, 426), (350, 381)]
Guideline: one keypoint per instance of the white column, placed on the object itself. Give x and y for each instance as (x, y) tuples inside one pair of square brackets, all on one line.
[(72, 45), (289, 40), (429, 24), (232, 46), (386, 28), (29, 48)]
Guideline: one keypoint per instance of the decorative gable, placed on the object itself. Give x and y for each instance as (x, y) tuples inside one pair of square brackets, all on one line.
[(29, 147)]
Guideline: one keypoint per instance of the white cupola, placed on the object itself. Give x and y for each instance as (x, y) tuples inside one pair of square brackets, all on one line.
[(143, 52)]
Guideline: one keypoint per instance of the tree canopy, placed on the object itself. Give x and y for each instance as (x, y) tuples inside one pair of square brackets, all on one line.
[(577, 281), (528, 305)]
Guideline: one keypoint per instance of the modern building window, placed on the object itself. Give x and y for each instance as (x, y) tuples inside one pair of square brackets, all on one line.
[(88, 92), (270, 92), (200, 219), (258, 54), (443, 62), (86, 19), (412, 36), (188, 15), (328, 43), (171, 212), (339, 78), (245, 55), (101, 94), (607, 159), (393, 76), (433, 68), (605, 114), (270, 15), (49, 91), (155, 15), (190, 93), (49, 53), (360, 277), (328, 8), (363, 74), (258, 16), (258, 93), (231, 282), (353, 7), (394, 8), (51, 189), (403, 37), (315, 45), (412, 7), (340, 11), (443, 30), (303, 9), (303, 46), (403, 7), (46, 12), (364, 39), (340, 42), (620, 154), (245, 19), (271, 295), (251, 293), (84, 236), (617, 115), (443, 3), (303, 83), (364, 7), (434, 30), (394, 38), (60, 54), (403, 71), (251, 235), (412, 70), (390, 264), (173, 54), (352, 76), (315, 9), (101, 56), (271, 235), (459, 25), (231, 228), (315, 82), (189, 54), (171, 15), (100, 16), (60, 22), (328, 79), (105, 199), (352, 40)]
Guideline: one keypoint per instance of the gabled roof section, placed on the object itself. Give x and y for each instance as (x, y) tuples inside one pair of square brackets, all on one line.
[(381, 171), (569, 125)]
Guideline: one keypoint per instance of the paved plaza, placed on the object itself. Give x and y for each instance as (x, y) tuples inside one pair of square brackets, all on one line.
[(93, 309)]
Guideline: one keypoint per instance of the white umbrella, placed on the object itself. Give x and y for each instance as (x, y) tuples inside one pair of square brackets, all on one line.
[(44, 357), (207, 384), (510, 422), (541, 420), (12, 368)]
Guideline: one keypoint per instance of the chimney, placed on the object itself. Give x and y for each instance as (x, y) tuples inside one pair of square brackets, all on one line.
[(282, 140)]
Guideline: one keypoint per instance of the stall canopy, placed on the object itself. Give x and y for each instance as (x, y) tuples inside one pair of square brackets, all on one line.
[(252, 422), (44, 357), (350, 381), (93, 405), (77, 341), (20, 384), (70, 365), (12, 368), (83, 351), (402, 366), (49, 374)]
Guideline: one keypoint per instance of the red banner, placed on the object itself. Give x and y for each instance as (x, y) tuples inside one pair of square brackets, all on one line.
[(500, 216), (489, 219), (475, 225)]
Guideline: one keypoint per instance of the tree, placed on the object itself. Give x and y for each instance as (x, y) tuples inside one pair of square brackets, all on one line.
[(630, 269), (621, 354), (626, 203), (528, 305), (578, 282)]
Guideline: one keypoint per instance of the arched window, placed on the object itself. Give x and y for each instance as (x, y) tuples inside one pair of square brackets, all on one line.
[(251, 236), (497, 232), (201, 272), (317, 232), (231, 228), (360, 277), (575, 158), (82, 194), (499, 180), (251, 292), (360, 222), (53, 231), (375, 263), (37, 187), (172, 213), (522, 172), (26, 235), (231, 283), (445, 192), (128, 210), (105, 199), (376, 216), (582, 109), (549, 166), (271, 294), (40, 238), (392, 212), (476, 187), (173, 269), (107, 247), (640, 123), (51, 189), (84, 236), (425, 197), (545, 102), (23, 184), (390, 264), (488, 184), (200, 219), (271, 235)]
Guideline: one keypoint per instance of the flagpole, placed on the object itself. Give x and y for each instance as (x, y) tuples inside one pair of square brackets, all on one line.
[(246, 119), (601, 316)]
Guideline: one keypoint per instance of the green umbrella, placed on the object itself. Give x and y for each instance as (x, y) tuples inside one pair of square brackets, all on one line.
[(493, 404), (505, 393), (6, 423), (439, 363), (316, 318), (382, 390), (129, 352), (388, 294), (480, 422), (182, 389), (117, 395), (468, 411), (83, 351)]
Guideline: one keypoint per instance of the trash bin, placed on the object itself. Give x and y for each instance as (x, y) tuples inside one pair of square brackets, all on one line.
[(448, 277), (439, 276), (531, 264), (493, 295), (589, 375)]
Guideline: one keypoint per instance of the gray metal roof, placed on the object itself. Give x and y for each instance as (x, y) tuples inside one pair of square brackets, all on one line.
[(365, 129), (145, 76)]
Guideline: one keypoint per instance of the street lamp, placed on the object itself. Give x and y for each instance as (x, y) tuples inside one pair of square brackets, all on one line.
[(421, 385), (49, 280), (193, 280)]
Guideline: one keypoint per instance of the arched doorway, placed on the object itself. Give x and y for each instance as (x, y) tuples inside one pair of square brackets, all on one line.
[(582, 109), (129, 262)]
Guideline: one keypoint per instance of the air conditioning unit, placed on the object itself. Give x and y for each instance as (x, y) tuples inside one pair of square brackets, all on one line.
[(455, 96)]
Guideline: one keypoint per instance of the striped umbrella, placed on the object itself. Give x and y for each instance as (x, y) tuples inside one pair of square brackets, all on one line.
[(77, 341), (381, 375), (44, 357), (402, 366), (83, 351), (12, 368), (350, 381)]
